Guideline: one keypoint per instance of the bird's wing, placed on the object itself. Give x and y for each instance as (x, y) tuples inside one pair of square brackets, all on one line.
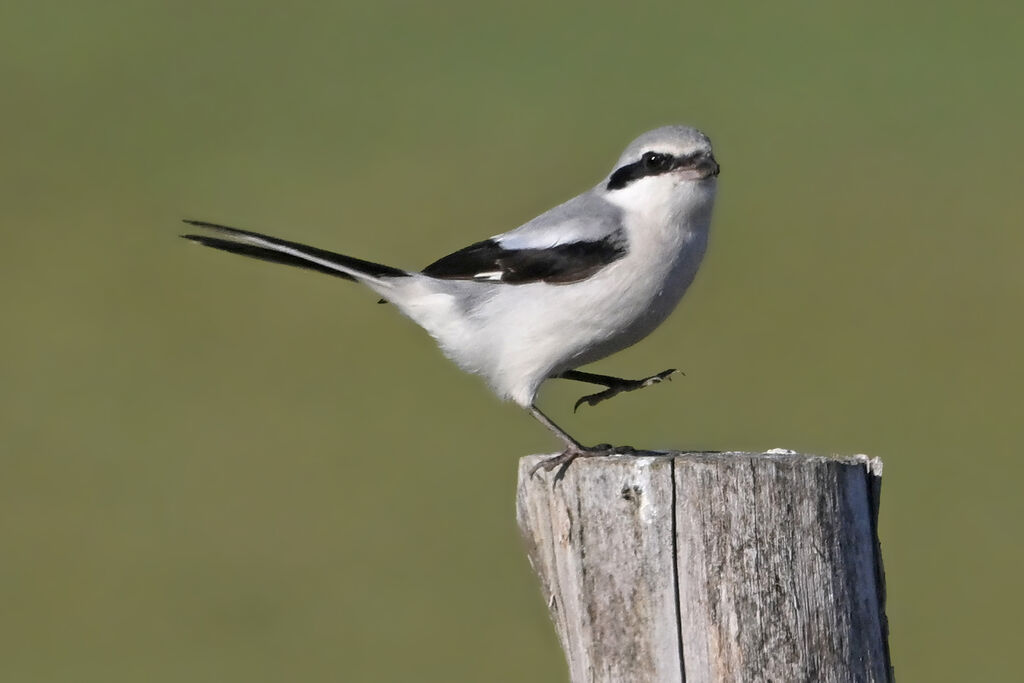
[(567, 244)]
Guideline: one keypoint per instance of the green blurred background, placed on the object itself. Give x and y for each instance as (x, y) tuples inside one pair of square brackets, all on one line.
[(215, 469)]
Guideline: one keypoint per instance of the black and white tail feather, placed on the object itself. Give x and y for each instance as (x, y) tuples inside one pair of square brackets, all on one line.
[(577, 283), (276, 250)]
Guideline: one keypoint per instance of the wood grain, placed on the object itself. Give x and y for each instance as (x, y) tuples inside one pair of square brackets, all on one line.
[(724, 567)]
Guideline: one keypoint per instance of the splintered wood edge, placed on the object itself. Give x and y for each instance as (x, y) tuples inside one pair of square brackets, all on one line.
[(873, 466)]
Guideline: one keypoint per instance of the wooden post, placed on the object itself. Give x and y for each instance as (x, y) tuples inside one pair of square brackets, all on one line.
[(711, 567)]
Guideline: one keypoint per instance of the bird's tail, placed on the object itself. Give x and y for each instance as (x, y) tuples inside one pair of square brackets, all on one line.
[(428, 301), (276, 250)]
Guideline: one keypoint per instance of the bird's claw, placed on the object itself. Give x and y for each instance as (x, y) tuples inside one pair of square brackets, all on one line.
[(626, 385), (566, 457)]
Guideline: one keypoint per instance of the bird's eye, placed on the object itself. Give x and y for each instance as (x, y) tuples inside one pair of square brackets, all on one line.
[(657, 162)]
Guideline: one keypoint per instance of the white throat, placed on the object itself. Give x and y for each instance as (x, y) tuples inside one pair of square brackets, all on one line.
[(667, 201)]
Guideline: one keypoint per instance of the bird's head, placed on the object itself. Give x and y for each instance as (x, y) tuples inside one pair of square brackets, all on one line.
[(671, 168)]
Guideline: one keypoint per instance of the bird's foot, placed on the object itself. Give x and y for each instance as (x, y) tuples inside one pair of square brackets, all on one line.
[(623, 385), (566, 457)]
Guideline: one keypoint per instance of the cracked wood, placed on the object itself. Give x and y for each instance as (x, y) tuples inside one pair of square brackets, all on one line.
[(699, 568)]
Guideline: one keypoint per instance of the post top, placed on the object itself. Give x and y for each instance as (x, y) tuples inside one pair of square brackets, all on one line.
[(777, 455)]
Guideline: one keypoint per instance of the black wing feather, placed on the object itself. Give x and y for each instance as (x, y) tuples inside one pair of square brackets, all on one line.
[(561, 264)]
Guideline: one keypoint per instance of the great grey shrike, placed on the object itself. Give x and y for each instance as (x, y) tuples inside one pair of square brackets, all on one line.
[(586, 279)]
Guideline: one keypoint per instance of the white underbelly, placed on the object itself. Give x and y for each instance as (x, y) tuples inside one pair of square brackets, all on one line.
[(546, 329)]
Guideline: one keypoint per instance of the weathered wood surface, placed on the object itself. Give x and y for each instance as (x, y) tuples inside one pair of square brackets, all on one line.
[(701, 567)]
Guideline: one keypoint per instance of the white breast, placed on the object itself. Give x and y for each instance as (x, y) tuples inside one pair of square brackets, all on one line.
[(531, 332), (516, 336)]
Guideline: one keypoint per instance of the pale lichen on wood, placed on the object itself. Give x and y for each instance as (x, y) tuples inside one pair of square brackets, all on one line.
[(724, 567)]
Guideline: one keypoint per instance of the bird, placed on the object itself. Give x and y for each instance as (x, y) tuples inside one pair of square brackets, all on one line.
[(580, 282)]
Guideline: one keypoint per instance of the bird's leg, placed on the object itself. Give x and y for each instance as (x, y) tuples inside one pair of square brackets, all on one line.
[(615, 385), (573, 448)]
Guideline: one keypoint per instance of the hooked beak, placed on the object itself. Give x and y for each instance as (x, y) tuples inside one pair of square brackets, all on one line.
[(708, 167), (699, 166)]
